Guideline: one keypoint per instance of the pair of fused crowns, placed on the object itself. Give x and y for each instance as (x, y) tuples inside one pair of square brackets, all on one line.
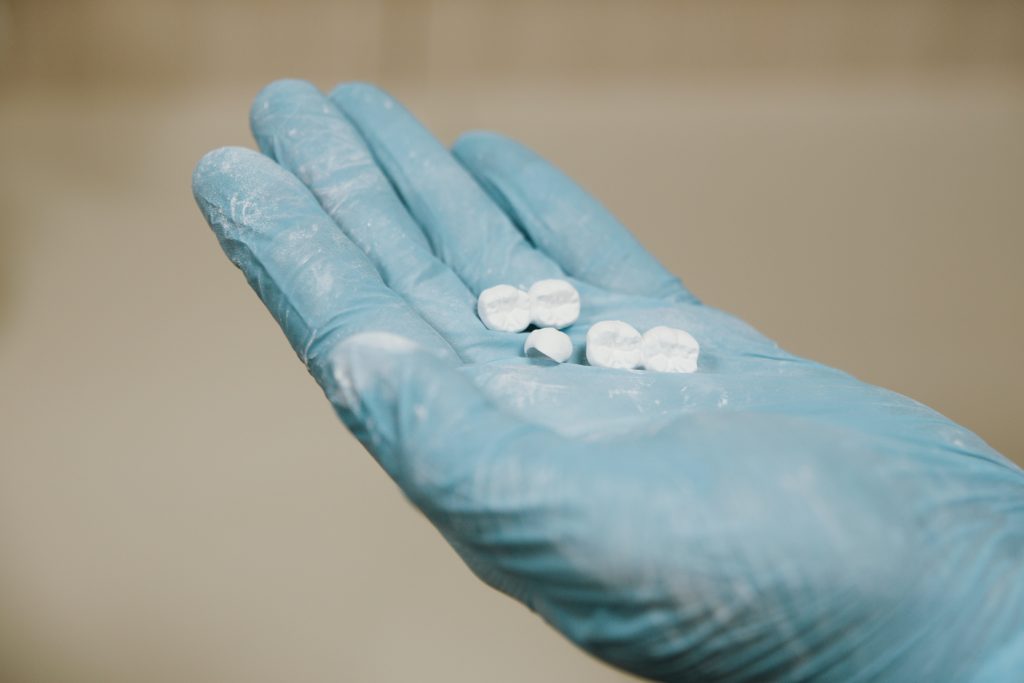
[(548, 303), (551, 305)]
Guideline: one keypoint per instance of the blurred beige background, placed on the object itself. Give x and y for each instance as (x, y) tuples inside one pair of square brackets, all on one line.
[(178, 503)]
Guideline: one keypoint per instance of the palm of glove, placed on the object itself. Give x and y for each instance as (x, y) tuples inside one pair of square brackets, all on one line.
[(766, 517)]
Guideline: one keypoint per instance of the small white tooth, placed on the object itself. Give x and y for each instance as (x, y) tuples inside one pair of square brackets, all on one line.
[(667, 349), (504, 308), (554, 303), (549, 343), (614, 344)]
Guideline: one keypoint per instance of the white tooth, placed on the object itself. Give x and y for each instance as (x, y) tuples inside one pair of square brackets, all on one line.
[(504, 308), (554, 303), (666, 349), (549, 343), (613, 344)]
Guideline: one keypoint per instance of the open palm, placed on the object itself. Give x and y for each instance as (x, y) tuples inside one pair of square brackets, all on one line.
[(764, 518)]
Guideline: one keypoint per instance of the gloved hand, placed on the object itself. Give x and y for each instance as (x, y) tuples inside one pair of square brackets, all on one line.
[(767, 518)]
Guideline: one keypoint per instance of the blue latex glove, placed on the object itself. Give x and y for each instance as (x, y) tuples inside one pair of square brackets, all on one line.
[(767, 518)]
